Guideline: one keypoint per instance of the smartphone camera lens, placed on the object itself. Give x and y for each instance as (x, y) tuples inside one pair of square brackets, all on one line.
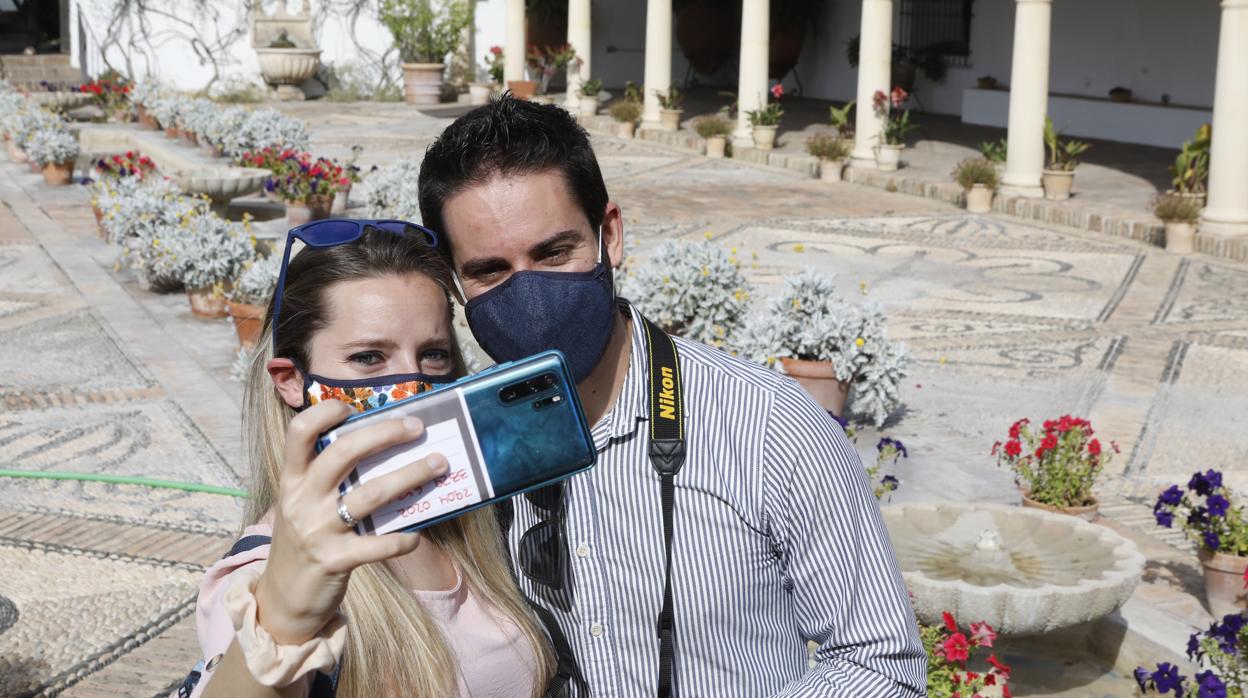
[(509, 394)]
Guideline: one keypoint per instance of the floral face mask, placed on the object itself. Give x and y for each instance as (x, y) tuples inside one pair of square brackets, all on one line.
[(369, 393)]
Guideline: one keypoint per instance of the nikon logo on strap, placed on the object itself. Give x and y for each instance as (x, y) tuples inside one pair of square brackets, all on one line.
[(667, 396)]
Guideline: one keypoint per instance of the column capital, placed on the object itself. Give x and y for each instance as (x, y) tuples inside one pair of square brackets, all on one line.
[(1040, 2), (1234, 4)]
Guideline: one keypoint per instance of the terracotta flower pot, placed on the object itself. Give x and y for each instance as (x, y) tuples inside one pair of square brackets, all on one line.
[(16, 154), (121, 115), (422, 82), (715, 146), (1180, 237), (300, 212), (888, 157), (146, 120), (522, 89), (1087, 513), (172, 132), (831, 170), (58, 174), (247, 322), (191, 137), (206, 304), (669, 119), (624, 129), (1224, 582), (765, 137), (979, 199), (1057, 184), (819, 379)]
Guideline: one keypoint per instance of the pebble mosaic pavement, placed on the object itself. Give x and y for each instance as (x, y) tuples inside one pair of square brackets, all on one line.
[(1004, 319)]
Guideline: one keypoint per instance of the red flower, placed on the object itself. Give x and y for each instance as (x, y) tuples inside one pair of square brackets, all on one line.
[(956, 648), (899, 97), (1017, 428), (1048, 444), (496, 50), (998, 667), (982, 634), (1013, 448), (950, 624), (1094, 447), (777, 91)]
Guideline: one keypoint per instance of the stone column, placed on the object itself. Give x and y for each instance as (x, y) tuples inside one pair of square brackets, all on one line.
[(579, 36), (513, 43), (875, 74), (658, 77), (752, 80), (1029, 98), (1226, 213)]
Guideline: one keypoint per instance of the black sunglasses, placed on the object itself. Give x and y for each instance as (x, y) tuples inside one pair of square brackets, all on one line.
[(337, 231), (543, 555)]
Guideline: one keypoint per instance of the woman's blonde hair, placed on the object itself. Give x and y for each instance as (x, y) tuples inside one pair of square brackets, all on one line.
[(393, 645)]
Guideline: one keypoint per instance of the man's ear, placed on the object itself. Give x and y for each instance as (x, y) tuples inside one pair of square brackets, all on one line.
[(613, 234), (288, 381)]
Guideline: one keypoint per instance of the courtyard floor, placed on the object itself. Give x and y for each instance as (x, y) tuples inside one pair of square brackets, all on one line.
[(1004, 319)]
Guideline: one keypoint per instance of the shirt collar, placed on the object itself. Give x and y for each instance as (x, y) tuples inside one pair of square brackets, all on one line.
[(630, 407)]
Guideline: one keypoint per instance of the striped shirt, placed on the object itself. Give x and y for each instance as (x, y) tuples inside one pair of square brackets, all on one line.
[(777, 541)]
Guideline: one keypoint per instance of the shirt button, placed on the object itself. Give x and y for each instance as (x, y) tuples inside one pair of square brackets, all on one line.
[(582, 550), (596, 630)]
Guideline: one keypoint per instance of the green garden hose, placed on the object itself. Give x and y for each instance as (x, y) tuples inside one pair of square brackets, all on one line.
[(125, 480)]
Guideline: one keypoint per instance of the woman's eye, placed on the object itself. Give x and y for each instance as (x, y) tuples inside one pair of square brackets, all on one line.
[(435, 361), (366, 358)]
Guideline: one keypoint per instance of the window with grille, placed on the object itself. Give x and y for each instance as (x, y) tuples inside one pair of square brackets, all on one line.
[(940, 26)]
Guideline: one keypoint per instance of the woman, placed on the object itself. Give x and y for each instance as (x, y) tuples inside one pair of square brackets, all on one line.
[(428, 614)]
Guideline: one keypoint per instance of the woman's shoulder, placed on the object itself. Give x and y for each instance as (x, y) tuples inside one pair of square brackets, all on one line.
[(213, 625)]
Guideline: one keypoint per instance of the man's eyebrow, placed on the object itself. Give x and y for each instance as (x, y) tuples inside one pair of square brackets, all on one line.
[(562, 237)]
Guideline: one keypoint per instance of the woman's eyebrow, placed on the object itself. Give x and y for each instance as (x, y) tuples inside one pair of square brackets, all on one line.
[(369, 343)]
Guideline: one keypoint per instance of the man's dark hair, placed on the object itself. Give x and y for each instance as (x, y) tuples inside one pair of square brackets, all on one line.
[(506, 137)]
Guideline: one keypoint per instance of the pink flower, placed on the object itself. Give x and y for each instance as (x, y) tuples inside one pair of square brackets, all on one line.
[(899, 97), (982, 634), (950, 624), (956, 648), (496, 50), (878, 100), (777, 91)]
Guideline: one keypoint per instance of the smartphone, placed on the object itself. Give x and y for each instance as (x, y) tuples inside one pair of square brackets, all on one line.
[(511, 428)]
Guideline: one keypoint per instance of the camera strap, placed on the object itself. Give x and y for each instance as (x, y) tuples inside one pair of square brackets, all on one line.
[(667, 455)]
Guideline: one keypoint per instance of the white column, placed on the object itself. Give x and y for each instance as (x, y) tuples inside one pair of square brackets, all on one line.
[(1029, 98), (658, 76), (752, 81), (513, 43), (579, 36), (875, 74), (1226, 213)]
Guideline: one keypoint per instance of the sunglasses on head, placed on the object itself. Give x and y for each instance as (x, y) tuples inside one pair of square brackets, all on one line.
[(337, 231)]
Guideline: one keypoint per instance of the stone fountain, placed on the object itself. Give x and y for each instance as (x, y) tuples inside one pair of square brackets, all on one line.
[(1023, 571), (286, 48), (221, 184)]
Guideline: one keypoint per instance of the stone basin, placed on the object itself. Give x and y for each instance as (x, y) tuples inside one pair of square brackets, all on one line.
[(1023, 571), (221, 183), (62, 100)]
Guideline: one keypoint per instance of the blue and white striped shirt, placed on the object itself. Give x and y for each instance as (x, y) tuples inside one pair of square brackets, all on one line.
[(777, 541)]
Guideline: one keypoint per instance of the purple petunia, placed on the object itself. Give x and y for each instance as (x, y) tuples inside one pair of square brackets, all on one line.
[(890, 483), (897, 446), (1164, 517), (1143, 678), (1167, 678), (1198, 517), (1172, 496), (1218, 505), (839, 420), (1210, 685), (1212, 541), (1193, 647), (1199, 484)]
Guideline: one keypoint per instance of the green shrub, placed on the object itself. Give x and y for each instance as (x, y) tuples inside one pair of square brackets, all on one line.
[(1173, 208), (972, 171), (711, 126), (625, 111), (827, 146)]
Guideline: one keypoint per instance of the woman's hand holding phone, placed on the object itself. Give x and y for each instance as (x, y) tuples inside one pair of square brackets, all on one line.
[(313, 551)]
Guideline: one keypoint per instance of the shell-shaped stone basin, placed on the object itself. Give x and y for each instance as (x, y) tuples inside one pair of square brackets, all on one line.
[(1023, 571), (221, 183), (288, 66), (60, 99)]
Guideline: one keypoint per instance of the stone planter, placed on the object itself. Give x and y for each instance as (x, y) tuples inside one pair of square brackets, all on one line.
[(300, 212), (589, 105), (1057, 184), (341, 199), (422, 82), (221, 183), (205, 303), (669, 119), (624, 129), (146, 120), (715, 146), (522, 89), (888, 157), (58, 174), (286, 68), (819, 379), (1180, 237), (979, 199), (479, 93), (765, 137), (248, 320), (16, 154), (831, 170), (1087, 513), (1224, 582)]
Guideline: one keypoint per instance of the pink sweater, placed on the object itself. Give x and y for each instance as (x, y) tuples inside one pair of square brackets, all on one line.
[(494, 660)]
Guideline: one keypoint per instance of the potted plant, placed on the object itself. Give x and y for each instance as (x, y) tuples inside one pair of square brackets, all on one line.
[(987, 82), (350, 177), (165, 110), (950, 650), (897, 124), (694, 290), (1190, 170), (196, 117), (495, 66), (307, 186), (589, 91), (479, 92), (425, 31), (1218, 525), (995, 152), (111, 92), (141, 96), (546, 62), (831, 150), (626, 112), (766, 121), (715, 129), (215, 131), (1056, 468), (839, 119), (142, 217), (829, 345), (1059, 176), (392, 191), (1120, 94), (249, 296), (1180, 214), (978, 177), (1218, 650), (208, 252), (264, 128), (54, 149), (669, 106)]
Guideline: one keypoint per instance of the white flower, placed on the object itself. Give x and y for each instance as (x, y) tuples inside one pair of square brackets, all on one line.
[(256, 282), (691, 288), (51, 144), (392, 192)]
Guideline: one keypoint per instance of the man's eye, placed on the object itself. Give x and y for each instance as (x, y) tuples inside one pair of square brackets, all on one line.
[(366, 358), (557, 254)]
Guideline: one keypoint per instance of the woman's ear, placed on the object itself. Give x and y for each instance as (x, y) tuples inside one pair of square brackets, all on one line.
[(288, 381)]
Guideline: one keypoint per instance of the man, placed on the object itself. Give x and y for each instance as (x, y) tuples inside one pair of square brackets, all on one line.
[(776, 539)]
